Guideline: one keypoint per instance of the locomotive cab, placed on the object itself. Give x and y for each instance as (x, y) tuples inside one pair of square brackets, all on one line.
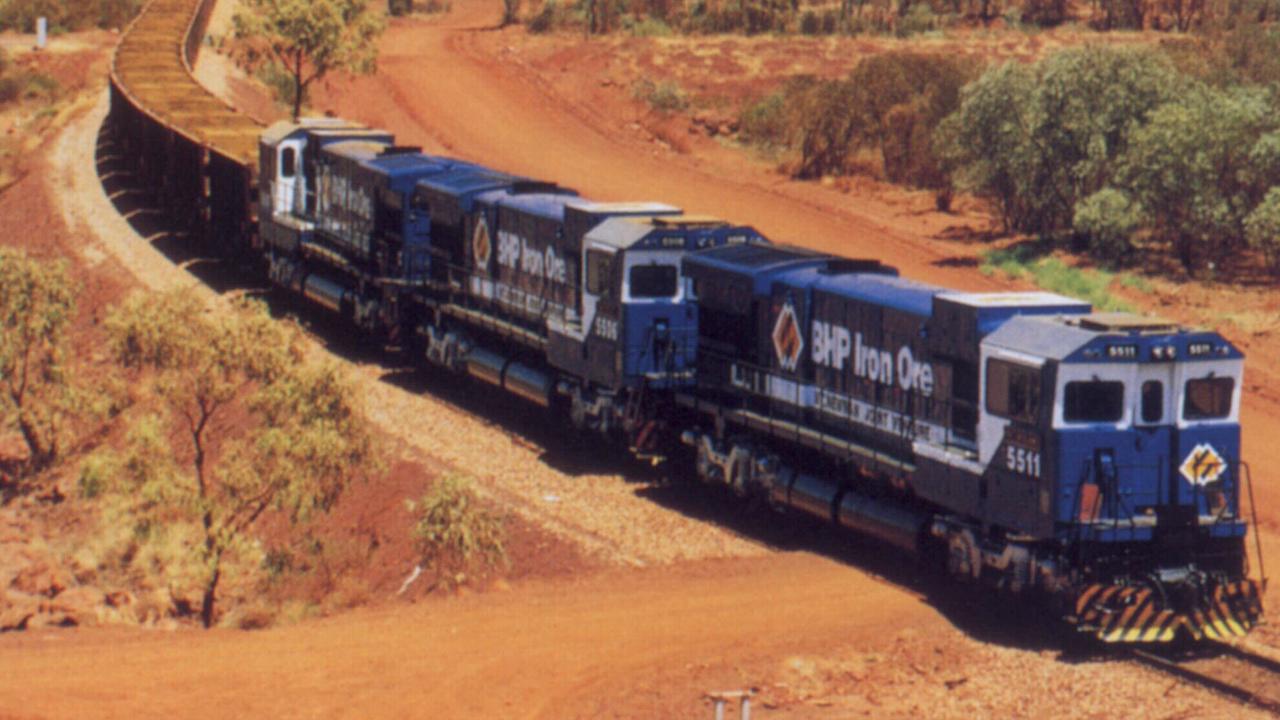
[(638, 321), (1123, 428)]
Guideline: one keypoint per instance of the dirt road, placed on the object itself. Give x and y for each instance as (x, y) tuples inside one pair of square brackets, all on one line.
[(542, 650)]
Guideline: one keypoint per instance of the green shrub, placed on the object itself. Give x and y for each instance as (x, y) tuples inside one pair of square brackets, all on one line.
[(892, 103), (41, 86), (919, 19), (647, 26), (398, 8), (1108, 219), (664, 96), (766, 123), (455, 533)]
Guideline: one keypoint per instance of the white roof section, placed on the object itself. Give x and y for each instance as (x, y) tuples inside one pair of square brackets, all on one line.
[(624, 208), (1011, 299)]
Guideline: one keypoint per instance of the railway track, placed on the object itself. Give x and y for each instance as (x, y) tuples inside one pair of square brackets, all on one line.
[(1234, 671)]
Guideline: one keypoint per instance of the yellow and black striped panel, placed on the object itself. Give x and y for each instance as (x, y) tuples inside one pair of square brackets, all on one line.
[(1128, 614), (1232, 611)]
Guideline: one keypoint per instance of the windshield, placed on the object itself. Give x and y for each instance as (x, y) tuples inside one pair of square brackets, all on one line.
[(653, 281), (1208, 398), (1093, 401)]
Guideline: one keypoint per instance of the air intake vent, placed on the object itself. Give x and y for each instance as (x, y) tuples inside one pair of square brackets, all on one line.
[(400, 150), (840, 266)]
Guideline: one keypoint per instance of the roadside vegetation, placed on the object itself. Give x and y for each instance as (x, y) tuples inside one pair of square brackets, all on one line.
[(200, 450), (900, 18), (67, 15)]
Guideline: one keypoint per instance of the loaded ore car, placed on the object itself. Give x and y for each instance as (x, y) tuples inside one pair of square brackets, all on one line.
[(1029, 442)]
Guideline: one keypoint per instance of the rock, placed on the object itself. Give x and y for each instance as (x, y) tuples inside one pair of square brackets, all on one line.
[(726, 129), (51, 618), (121, 599), (80, 605), (17, 609), (41, 578)]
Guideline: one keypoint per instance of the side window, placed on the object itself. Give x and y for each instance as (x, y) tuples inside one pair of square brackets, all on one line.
[(1208, 398), (1013, 391), (653, 281), (1152, 401), (1093, 401), (288, 162), (599, 270)]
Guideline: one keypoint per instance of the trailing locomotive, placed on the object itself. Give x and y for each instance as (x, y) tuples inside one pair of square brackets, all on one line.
[(1018, 438)]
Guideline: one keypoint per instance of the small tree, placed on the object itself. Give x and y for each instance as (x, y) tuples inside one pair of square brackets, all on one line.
[(36, 305), (263, 429), (311, 37), (455, 533)]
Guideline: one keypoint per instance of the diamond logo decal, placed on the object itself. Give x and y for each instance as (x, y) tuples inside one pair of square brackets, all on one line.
[(788, 342), (1203, 465), (481, 247)]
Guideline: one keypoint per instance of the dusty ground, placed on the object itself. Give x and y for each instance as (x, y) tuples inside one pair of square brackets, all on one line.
[(829, 628)]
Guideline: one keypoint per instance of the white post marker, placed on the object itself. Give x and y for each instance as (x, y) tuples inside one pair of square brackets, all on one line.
[(42, 33)]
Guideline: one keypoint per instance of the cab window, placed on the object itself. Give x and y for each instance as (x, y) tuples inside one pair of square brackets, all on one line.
[(288, 162), (599, 268), (1152, 401), (1208, 398), (1093, 401), (1013, 391), (653, 281)]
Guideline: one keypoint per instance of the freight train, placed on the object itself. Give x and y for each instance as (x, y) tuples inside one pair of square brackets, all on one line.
[(1019, 440)]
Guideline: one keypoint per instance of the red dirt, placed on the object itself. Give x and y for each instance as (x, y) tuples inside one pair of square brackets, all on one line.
[(817, 636)]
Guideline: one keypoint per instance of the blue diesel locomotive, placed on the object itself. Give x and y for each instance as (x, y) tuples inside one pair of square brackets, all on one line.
[(1020, 438)]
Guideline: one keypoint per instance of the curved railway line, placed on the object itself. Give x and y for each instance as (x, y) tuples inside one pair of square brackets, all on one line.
[(191, 150)]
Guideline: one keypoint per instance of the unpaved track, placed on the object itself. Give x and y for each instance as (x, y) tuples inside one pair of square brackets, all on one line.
[(438, 85), (539, 651)]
